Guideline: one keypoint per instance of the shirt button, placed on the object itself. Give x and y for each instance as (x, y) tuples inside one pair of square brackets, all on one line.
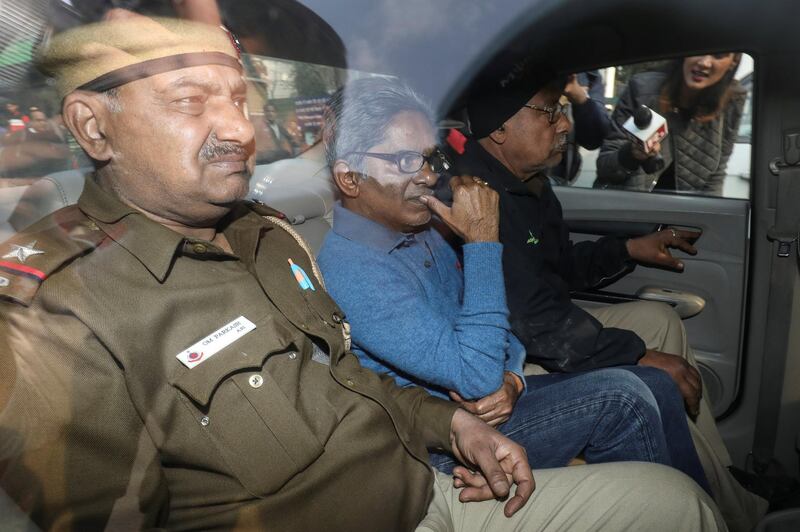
[(304, 326), (204, 421), (427, 264), (256, 381), (292, 356), (199, 248), (350, 382)]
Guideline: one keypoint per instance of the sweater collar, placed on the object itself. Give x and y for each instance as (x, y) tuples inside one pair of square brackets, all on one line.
[(357, 228)]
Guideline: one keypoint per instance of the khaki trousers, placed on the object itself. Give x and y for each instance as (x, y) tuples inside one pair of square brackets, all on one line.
[(614, 497), (661, 329)]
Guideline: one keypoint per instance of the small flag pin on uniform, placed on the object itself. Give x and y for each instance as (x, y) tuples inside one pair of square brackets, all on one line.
[(301, 277)]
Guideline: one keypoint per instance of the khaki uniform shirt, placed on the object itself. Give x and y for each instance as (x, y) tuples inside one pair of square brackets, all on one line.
[(102, 426)]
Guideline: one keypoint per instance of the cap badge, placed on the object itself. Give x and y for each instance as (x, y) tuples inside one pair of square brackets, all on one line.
[(237, 45)]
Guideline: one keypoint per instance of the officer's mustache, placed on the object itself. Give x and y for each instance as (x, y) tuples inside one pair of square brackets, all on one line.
[(213, 149)]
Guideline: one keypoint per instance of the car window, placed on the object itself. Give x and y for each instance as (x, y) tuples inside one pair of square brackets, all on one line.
[(296, 55), (701, 106), (289, 80), (286, 102), (746, 127)]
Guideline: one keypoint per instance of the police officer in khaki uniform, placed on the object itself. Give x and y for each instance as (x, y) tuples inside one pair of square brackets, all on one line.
[(170, 357)]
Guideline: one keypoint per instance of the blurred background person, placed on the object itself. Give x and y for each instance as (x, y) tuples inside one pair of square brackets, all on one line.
[(273, 142), (703, 105), (296, 136), (38, 149), (15, 120), (590, 123)]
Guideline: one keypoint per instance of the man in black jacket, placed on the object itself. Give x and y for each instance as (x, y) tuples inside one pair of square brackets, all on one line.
[(515, 137)]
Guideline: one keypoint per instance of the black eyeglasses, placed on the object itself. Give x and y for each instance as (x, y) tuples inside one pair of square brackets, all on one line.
[(411, 162), (554, 111)]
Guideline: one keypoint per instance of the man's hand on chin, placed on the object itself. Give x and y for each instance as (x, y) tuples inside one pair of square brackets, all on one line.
[(474, 215), (499, 462)]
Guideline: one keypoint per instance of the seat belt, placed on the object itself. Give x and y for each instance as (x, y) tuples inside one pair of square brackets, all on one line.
[(783, 272)]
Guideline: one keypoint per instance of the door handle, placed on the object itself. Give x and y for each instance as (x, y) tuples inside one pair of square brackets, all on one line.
[(685, 304)]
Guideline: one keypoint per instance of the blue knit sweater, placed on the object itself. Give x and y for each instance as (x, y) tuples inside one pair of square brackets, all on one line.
[(415, 312)]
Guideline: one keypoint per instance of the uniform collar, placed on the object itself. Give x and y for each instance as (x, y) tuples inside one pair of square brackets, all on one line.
[(100, 205), (357, 228), (243, 228), (153, 244)]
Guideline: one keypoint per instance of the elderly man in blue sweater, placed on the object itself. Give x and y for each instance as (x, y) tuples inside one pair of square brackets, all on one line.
[(428, 318)]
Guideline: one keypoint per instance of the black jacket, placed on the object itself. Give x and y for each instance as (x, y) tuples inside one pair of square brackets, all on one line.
[(541, 266)]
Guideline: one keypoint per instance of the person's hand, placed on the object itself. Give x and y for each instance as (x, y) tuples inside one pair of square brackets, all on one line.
[(685, 376), (576, 93), (654, 248), (495, 408), (501, 463), (641, 154), (475, 214)]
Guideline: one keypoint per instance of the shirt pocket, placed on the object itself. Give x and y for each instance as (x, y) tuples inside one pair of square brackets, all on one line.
[(259, 435)]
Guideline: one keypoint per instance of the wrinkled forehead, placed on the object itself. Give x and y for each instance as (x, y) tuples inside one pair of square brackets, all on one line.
[(409, 130), (205, 79)]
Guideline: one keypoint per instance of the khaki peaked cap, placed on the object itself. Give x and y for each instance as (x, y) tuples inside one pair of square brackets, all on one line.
[(104, 55)]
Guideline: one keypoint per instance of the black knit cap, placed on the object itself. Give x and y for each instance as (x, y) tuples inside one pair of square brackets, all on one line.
[(501, 90)]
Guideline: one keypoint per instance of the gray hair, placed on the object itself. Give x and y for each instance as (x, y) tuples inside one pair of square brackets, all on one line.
[(111, 99), (359, 115)]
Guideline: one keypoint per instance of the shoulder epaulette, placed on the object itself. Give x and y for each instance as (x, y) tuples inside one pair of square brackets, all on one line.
[(30, 256)]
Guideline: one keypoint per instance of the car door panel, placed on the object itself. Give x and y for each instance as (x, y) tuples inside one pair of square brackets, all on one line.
[(716, 274)]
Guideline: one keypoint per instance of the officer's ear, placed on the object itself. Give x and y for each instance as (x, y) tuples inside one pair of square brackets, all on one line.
[(86, 115), (499, 135), (347, 179)]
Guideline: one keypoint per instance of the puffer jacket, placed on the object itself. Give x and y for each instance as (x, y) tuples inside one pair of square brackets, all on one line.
[(699, 150)]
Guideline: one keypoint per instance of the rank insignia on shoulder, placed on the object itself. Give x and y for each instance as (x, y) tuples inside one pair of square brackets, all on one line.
[(22, 280), (30, 257), (21, 253)]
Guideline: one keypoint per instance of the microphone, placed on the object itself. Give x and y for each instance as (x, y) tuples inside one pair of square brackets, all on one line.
[(645, 128), (642, 117)]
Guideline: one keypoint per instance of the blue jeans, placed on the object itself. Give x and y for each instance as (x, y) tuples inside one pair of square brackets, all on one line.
[(674, 421), (609, 415)]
